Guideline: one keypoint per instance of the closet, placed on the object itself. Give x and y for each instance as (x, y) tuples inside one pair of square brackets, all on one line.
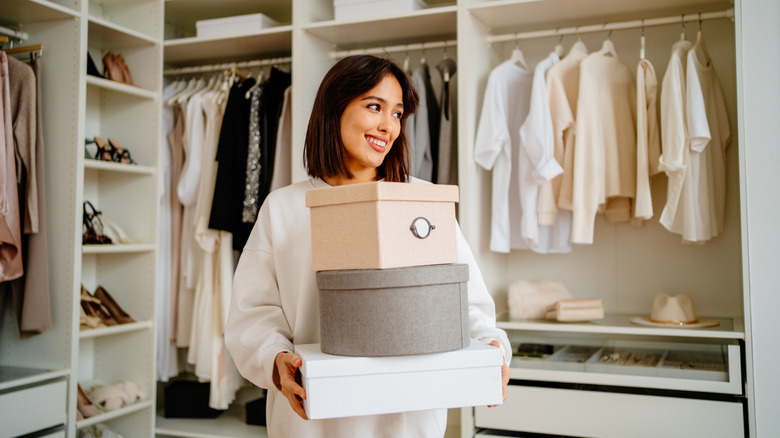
[(41, 374), (732, 278)]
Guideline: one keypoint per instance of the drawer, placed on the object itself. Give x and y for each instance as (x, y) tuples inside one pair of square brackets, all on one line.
[(33, 408), (606, 414)]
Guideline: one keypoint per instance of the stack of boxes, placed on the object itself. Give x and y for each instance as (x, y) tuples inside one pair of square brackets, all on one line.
[(393, 305)]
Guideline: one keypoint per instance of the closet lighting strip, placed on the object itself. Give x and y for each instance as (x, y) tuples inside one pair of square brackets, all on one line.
[(635, 24), (227, 65), (394, 49)]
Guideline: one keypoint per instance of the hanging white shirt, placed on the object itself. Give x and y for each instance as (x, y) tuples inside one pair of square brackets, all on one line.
[(674, 135), (536, 166), (648, 141), (504, 109)]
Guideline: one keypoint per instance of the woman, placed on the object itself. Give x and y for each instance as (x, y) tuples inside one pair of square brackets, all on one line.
[(355, 135)]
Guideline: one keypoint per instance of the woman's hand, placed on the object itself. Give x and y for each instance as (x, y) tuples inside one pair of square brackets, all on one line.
[(286, 365), (505, 372)]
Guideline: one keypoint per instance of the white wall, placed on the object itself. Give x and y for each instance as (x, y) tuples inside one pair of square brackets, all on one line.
[(758, 47)]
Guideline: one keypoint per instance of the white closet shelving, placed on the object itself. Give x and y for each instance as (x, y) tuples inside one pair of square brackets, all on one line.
[(77, 106)]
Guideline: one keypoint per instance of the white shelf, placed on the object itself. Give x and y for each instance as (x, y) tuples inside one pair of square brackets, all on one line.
[(121, 412), (115, 329), (432, 24), (108, 35), (120, 87), (110, 166), (230, 424), (511, 15), (14, 377), (117, 248), (620, 324), (268, 43), (33, 11)]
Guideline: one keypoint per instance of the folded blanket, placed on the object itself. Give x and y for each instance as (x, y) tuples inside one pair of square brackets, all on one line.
[(576, 310)]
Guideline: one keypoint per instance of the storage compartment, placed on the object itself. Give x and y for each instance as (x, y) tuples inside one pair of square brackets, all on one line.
[(382, 225), (394, 312), (237, 25), (346, 9), (608, 414), (339, 386), (33, 408)]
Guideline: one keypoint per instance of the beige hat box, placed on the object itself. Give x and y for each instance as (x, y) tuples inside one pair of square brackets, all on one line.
[(342, 386), (381, 225), (348, 9), (239, 24), (394, 312)]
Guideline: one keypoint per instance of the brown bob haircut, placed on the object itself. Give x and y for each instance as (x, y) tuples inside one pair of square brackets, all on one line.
[(324, 154)]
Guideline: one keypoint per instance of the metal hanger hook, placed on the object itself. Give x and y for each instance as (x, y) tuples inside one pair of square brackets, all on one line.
[(683, 22), (699, 20), (643, 27)]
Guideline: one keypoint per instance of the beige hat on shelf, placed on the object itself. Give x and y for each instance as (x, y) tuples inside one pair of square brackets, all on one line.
[(673, 311)]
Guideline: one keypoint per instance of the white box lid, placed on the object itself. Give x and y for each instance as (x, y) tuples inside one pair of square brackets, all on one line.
[(318, 364), (259, 17), (381, 191)]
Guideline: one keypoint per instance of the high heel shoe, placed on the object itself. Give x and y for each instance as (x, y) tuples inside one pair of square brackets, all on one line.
[(113, 308), (111, 68), (93, 226), (84, 405), (93, 307), (120, 61), (103, 151), (120, 154)]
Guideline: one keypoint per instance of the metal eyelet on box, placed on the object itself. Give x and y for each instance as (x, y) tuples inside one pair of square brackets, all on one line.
[(421, 228)]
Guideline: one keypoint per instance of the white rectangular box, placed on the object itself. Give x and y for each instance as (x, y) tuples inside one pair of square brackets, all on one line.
[(239, 24), (347, 9), (380, 225), (342, 386)]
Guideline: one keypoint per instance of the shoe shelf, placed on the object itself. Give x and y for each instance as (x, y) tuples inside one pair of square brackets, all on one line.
[(27, 11), (231, 423), (117, 248), (431, 24), (268, 43), (105, 34), (110, 166), (115, 329), (121, 412), (120, 87)]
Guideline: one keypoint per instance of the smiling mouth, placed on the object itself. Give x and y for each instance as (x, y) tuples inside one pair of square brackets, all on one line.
[(377, 144)]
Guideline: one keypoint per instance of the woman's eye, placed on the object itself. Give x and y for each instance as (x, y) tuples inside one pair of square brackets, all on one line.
[(374, 106), (398, 114)]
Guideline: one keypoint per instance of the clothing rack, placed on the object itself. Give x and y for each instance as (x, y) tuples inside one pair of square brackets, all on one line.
[(14, 34), (394, 49), (634, 24), (226, 66)]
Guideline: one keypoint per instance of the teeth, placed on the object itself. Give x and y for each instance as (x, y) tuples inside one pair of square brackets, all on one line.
[(377, 142)]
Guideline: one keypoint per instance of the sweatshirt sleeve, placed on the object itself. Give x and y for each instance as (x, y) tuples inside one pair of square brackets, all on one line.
[(257, 329)]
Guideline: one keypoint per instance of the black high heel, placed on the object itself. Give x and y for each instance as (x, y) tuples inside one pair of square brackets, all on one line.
[(120, 154), (93, 226), (103, 151)]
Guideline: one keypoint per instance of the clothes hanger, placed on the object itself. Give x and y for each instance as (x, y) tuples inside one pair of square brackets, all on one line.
[(559, 47), (579, 45), (642, 42), (406, 60), (256, 85), (423, 61), (682, 35), (700, 47), (608, 48), (517, 55)]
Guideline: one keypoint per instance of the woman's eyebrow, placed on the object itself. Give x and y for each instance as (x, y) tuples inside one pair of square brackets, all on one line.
[(382, 100)]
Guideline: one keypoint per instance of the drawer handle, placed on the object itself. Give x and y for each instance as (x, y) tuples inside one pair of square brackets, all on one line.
[(421, 228)]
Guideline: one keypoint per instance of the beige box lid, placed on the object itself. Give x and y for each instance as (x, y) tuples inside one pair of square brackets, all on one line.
[(381, 191)]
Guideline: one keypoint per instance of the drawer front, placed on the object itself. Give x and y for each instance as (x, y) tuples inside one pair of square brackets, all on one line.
[(605, 414), (32, 409)]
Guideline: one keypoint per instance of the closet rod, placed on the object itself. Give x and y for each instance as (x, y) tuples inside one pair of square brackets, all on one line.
[(227, 65), (16, 34), (634, 24), (395, 49)]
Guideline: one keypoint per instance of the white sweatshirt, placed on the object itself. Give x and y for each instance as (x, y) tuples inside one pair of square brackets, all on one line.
[(275, 305)]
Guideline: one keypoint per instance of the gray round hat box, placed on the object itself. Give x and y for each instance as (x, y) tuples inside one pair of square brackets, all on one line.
[(394, 312)]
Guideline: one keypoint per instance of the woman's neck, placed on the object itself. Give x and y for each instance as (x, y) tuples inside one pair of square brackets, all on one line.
[(367, 175)]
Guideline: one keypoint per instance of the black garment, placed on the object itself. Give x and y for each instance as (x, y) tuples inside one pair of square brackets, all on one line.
[(231, 157), (434, 119)]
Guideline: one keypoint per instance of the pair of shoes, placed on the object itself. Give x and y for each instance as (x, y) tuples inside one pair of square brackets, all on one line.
[(118, 395), (84, 404), (115, 69), (113, 307), (92, 69), (103, 306), (111, 151), (93, 308), (93, 226)]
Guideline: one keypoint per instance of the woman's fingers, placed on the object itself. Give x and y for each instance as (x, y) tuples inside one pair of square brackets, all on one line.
[(289, 376), (506, 372)]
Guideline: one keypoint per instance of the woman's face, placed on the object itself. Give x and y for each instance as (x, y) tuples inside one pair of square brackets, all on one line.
[(369, 126)]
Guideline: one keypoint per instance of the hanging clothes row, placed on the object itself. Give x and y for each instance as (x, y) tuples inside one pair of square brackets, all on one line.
[(23, 241), (228, 140), (580, 136)]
